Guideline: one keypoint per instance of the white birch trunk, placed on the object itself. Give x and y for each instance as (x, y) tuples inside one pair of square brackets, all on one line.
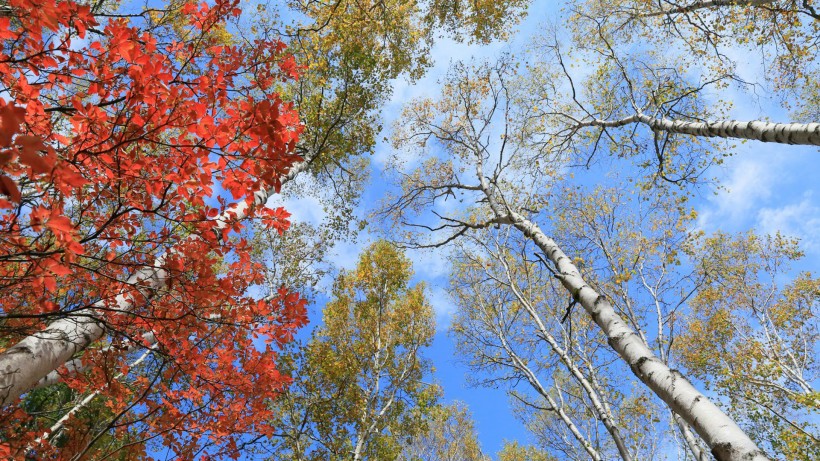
[(33, 358), (724, 437), (558, 409), (781, 133), (689, 438), (57, 426), (704, 4), (726, 440)]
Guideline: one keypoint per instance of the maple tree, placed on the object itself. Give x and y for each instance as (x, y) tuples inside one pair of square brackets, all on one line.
[(131, 151)]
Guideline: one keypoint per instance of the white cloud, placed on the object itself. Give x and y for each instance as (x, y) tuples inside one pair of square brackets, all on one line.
[(765, 189), (430, 264), (345, 255), (443, 306), (752, 177), (801, 220), (305, 209)]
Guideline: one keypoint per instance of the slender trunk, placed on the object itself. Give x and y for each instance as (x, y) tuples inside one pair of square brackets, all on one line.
[(593, 395), (33, 358), (782, 133), (593, 454), (689, 438), (704, 4), (558, 409), (57, 426), (726, 440)]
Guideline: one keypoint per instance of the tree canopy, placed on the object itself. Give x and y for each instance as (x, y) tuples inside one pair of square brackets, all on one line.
[(156, 295)]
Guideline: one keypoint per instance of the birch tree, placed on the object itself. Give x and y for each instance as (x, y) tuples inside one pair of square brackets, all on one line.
[(634, 246), (359, 385), (501, 329), (447, 434), (636, 103), (489, 165), (762, 337)]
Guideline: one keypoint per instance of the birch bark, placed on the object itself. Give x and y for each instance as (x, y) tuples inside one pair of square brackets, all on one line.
[(781, 133), (721, 434), (726, 439)]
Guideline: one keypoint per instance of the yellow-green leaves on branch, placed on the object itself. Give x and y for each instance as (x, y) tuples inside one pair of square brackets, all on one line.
[(752, 338), (450, 436), (359, 387), (723, 36)]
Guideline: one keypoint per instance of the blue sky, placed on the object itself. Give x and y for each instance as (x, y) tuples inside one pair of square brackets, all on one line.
[(764, 187)]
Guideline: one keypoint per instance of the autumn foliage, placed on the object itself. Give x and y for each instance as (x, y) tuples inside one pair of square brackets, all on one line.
[(122, 143)]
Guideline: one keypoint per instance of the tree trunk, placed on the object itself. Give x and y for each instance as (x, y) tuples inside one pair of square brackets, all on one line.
[(699, 5), (690, 440), (568, 362), (558, 409), (726, 440), (782, 133), (57, 426)]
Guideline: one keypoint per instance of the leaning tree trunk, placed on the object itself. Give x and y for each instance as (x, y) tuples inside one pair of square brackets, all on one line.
[(724, 437), (34, 357)]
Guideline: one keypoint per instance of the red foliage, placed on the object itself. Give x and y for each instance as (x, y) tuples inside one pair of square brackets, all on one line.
[(114, 136)]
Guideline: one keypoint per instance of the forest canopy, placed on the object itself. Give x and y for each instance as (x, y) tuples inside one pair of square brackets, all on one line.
[(404, 230)]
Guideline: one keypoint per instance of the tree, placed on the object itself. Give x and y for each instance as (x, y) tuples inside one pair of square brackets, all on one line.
[(513, 451), (349, 52), (514, 323), (111, 154), (450, 436), (638, 103), (358, 391), (494, 333), (761, 336), (508, 189)]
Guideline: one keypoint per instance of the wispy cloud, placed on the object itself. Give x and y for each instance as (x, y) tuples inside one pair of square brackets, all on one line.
[(801, 220), (765, 189), (443, 306), (750, 179)]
